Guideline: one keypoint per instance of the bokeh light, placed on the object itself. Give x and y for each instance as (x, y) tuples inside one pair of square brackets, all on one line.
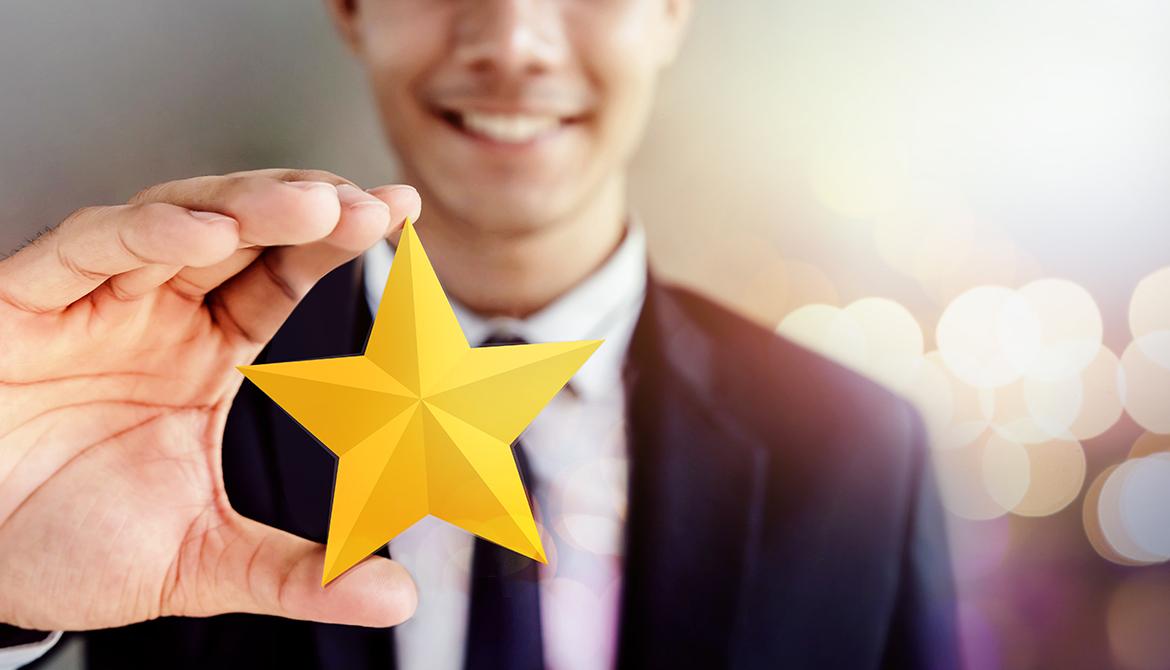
[(1007, 470), (1057, 473), (1095, 528), (920, 380), (891, 332), (984, 478), (1145, 504), (1147, 387), (1102, 396), (1024, 379), (927, 236), (830, 331), (1133, 510), (1070, 328), (1149, 309), (1036, 411), (1149, 444), (971, 412), (1146, 361), (989, 336)]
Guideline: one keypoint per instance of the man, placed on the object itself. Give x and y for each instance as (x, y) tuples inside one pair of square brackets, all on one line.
[(778, 511)]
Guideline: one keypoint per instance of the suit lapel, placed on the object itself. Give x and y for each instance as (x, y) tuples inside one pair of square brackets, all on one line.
[(332, 320), (696, 484)]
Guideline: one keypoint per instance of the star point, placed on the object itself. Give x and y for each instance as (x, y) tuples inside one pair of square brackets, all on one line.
[(422, 423)]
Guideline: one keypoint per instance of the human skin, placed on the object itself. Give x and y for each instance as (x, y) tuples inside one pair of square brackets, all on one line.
[(120, 329), (515, 218)]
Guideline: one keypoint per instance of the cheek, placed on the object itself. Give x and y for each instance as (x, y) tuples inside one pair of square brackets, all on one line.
[(621, 53), (402, 42)]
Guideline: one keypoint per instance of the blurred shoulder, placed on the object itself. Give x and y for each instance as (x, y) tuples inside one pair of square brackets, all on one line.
[(783, 394)]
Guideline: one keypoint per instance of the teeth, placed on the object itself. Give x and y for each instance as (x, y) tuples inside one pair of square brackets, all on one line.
[(510, 128)]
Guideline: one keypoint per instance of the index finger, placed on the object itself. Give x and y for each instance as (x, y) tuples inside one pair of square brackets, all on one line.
[(274, 207), (193, 222), (96, 243)]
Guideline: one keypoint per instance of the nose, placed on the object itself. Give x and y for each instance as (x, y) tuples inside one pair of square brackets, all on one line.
[(512, 37)]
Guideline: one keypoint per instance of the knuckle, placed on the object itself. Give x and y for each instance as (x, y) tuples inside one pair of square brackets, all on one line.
[(151, 193), (242, 173), (71, 266), (242, 181), (310, 175), (78, 216), (152, 212), (231, 186), (118, 291)]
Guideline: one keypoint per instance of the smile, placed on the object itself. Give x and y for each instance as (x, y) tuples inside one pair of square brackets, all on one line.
[(506, 128)]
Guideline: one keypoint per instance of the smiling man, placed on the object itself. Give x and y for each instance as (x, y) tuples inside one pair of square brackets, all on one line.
[(515, 120), (711, 495)]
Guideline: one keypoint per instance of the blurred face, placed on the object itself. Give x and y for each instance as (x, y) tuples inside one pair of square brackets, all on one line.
[(513, 115)]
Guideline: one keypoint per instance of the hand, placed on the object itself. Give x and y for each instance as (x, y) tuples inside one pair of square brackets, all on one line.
[(119, 333)]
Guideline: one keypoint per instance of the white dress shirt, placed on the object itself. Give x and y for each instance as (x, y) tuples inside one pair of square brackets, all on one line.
[(576, 448), (14, 657)]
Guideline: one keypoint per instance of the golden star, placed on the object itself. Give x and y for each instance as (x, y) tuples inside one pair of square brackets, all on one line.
[(422, 423)]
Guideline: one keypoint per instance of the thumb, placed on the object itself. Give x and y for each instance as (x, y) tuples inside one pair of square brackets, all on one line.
[(262, 570)]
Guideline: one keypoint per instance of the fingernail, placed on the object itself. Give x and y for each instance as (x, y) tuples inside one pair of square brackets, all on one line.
[(391, 189), (352, 197), (310, 185), (210, 216), (413, 215)]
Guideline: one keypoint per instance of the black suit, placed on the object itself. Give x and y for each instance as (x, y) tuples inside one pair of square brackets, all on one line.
[(781, 513)]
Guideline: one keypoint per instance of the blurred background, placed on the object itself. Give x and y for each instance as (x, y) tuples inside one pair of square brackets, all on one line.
[(969, 202)]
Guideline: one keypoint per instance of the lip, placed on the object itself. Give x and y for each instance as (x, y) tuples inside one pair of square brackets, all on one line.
[(453, 117)]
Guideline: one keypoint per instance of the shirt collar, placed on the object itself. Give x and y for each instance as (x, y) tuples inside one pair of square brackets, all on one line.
[(606, 305)]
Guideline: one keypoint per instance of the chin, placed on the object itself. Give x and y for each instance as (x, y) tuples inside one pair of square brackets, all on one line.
[(509, 209)]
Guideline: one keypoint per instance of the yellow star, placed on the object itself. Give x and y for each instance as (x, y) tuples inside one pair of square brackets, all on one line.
[(420, 422)]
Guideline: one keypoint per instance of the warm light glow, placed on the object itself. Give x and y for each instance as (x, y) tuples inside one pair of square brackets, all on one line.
[(1057, 469), (1070, 329), (859, 174), (1035, 411), (976, 482), (890, 330), (1007, 470), (830, 331), (992, 259), (1145, 504), (1111, 515), (999, 446), (1102, 396), (920, 381), (1149, 309), (925, 236), (972, 410), (1147, 387), (989, 336), (1134, 509), (1149, 444)]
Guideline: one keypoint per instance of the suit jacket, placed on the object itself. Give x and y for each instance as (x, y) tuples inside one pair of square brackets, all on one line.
[(781, 510)]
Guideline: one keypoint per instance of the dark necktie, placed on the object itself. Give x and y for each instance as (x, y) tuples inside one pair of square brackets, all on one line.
[(503, 628)]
